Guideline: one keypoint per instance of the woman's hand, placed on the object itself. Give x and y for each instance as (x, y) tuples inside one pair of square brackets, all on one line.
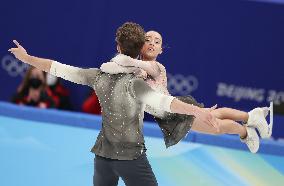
[(140, 73)]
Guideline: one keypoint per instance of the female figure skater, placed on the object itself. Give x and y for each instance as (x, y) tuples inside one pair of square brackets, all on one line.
[(155, 75)]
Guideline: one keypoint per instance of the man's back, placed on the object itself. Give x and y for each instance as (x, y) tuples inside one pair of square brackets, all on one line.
[(122, 118)]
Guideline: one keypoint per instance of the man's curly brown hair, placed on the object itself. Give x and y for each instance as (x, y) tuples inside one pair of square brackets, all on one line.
[(131, 38)]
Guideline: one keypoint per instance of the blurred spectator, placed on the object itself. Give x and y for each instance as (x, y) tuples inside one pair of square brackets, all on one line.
[(33, 90), (92, 105), (58, 92)]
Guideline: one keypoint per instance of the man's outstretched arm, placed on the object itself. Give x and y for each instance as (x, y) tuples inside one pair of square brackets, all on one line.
[(67, 72), (144, 93)]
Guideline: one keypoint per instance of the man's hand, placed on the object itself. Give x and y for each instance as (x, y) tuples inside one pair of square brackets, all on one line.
[(204, 114), (211, 108), (19, 52)]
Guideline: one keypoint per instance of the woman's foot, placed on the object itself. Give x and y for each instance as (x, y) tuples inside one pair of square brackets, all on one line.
[(252, 139), (257, 120)]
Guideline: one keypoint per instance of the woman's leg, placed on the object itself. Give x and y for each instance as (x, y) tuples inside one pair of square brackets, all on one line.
[(256, 118), (231, 114), (226, 126), (247, 135)]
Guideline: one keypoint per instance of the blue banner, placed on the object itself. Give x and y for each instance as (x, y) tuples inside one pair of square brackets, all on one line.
[(225, 52)]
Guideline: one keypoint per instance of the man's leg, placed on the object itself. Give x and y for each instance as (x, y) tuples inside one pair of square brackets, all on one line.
[(104, 174), (136, 172)]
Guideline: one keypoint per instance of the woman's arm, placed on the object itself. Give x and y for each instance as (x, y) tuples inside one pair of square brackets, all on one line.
[(150, 67), (114, 68)]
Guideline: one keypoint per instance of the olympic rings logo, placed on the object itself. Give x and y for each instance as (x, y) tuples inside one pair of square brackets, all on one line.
[(179, 84), (13, 66)]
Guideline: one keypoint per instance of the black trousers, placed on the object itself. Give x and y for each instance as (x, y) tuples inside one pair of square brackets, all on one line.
[(136, 172)]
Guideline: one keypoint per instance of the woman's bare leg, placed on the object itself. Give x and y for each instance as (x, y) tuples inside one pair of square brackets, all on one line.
[(231, 114), (226, 127)]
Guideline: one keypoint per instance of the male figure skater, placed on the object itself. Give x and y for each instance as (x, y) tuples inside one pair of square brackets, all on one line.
[(120, 149)]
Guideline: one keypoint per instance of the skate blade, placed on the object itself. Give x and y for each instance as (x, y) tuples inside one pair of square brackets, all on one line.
[(270, 126)]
